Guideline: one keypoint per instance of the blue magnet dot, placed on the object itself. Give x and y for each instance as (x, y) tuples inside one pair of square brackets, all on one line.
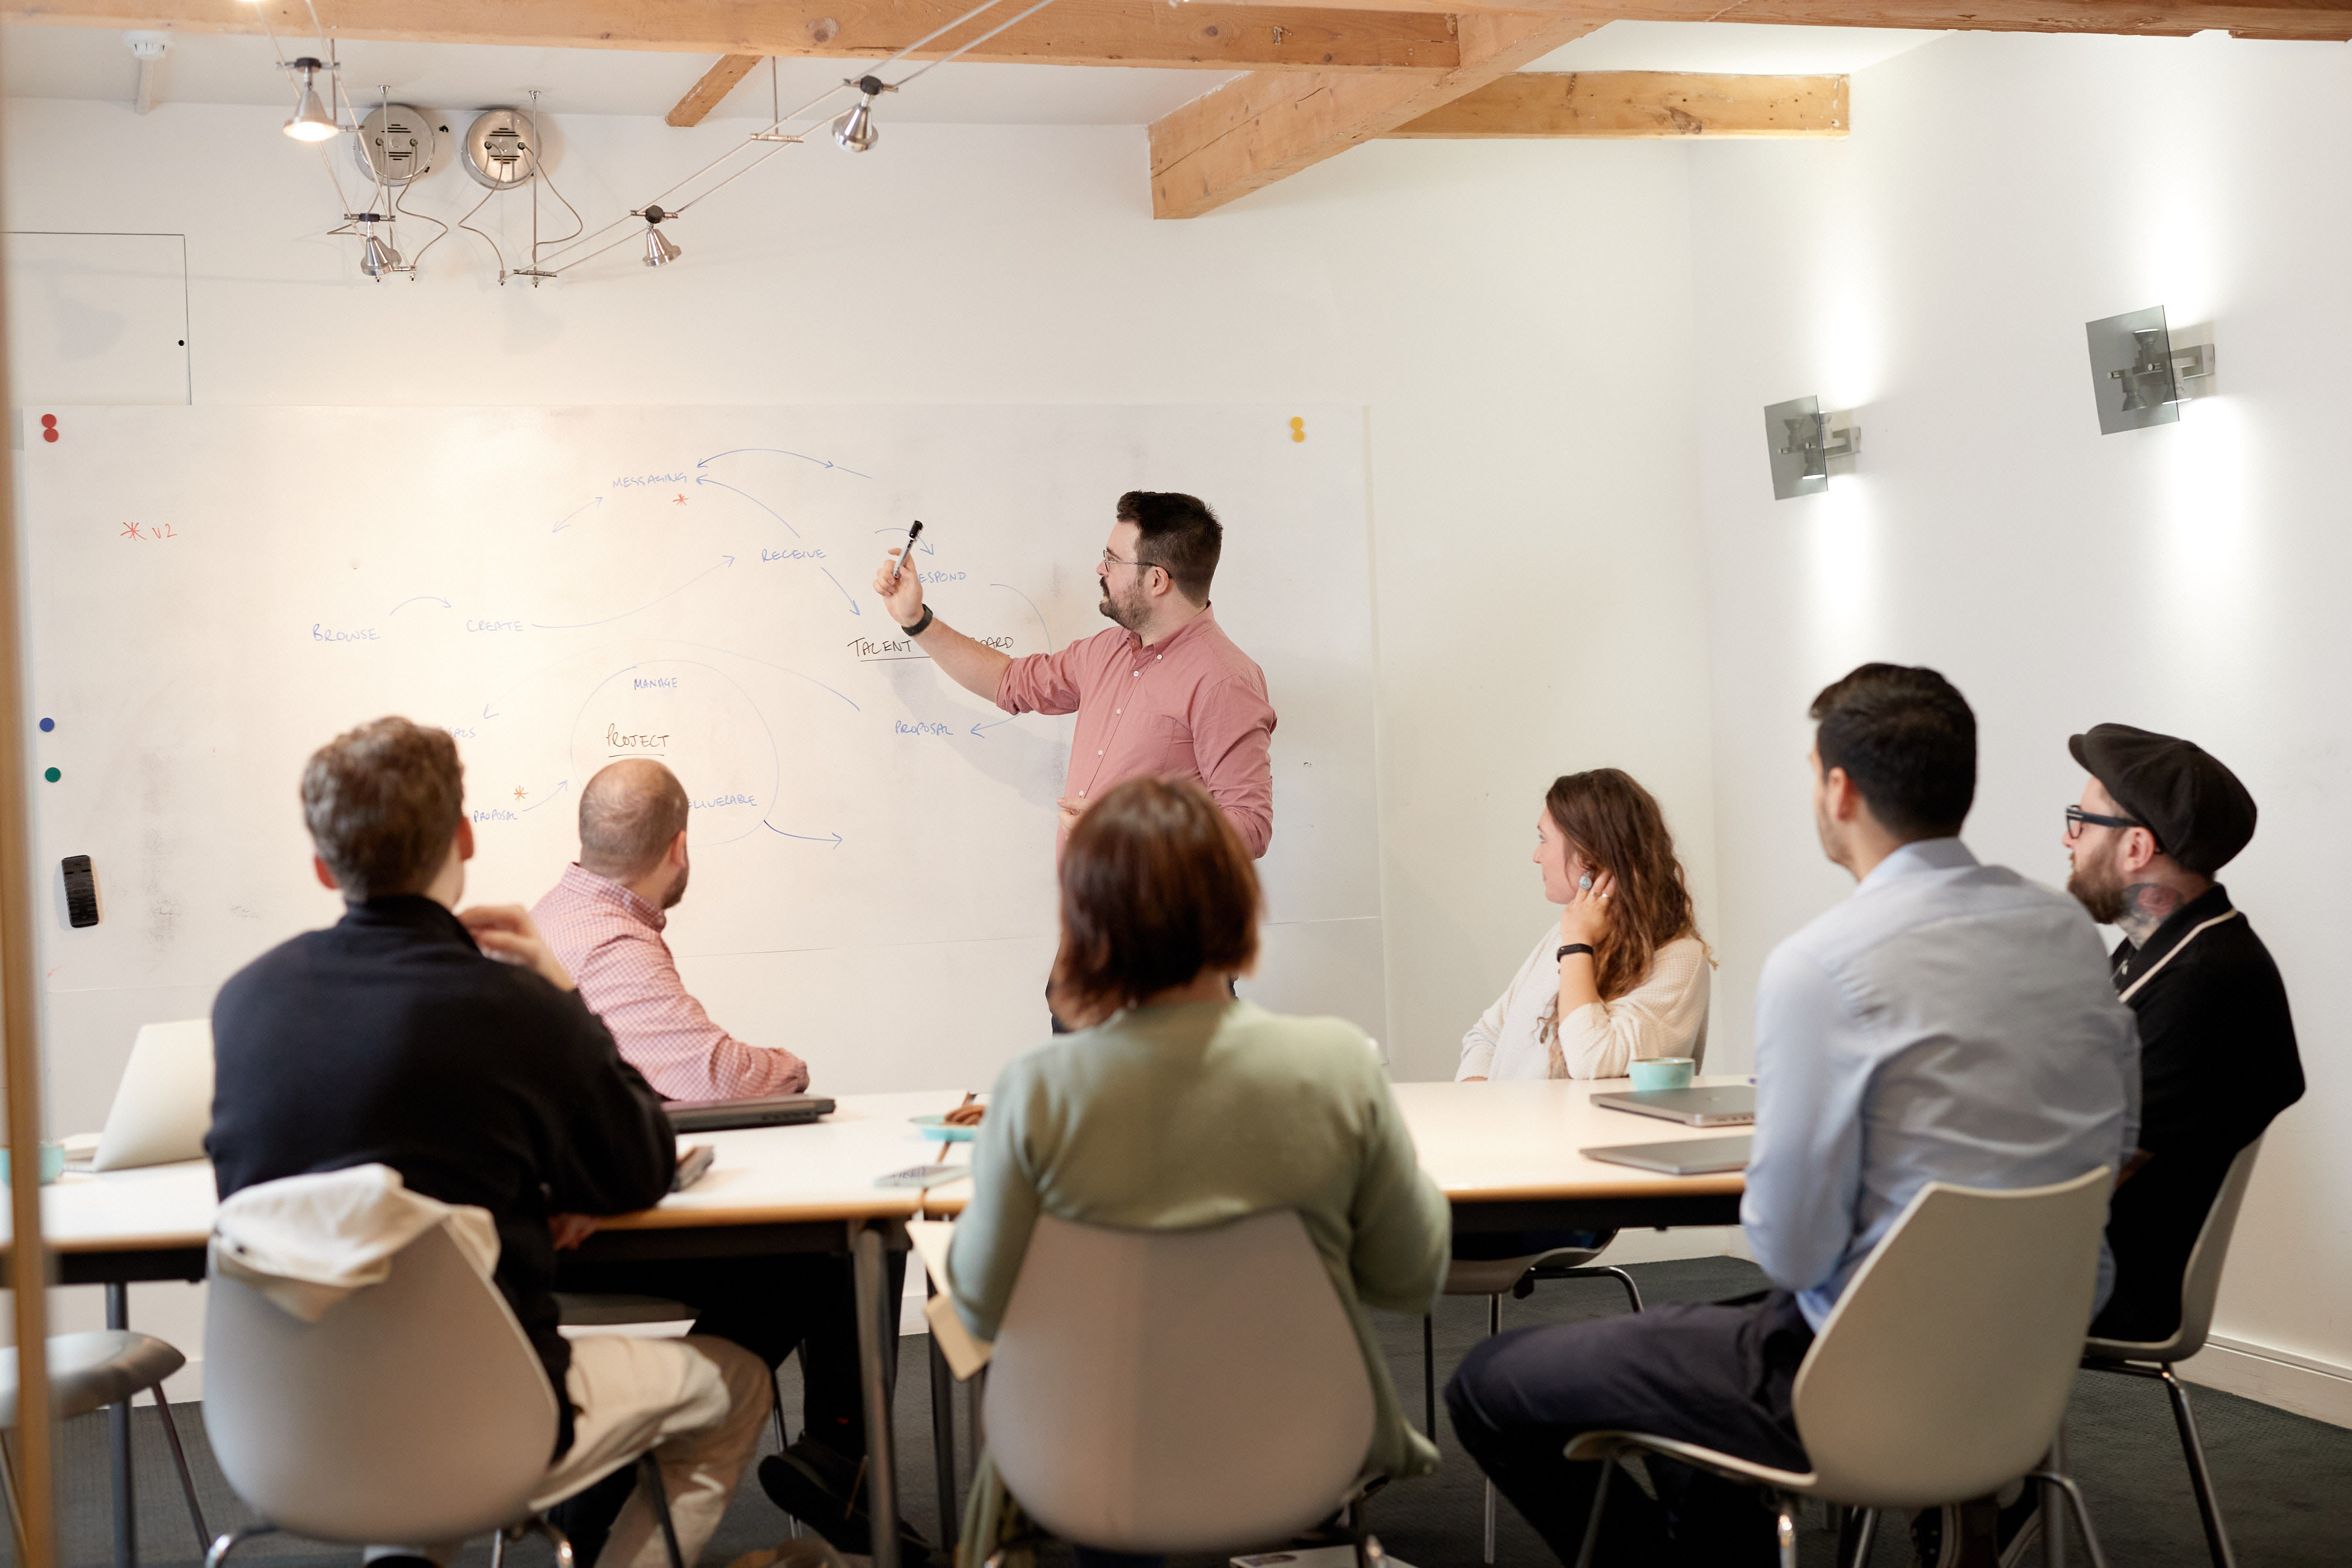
[(47, 724), (52, 775)]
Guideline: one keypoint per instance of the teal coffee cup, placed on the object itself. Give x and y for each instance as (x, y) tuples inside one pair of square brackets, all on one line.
[(53, 1163), (1662, 1072)]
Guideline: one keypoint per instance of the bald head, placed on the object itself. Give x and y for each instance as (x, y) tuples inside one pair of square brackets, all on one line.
[(628, 815)]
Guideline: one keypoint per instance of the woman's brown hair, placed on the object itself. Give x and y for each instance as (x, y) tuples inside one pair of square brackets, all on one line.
[(1617, 827), (1156, 887)]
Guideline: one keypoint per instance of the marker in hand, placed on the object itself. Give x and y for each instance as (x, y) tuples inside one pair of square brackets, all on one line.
[(908, 554)]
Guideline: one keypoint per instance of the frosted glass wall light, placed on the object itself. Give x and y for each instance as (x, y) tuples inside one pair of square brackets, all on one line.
[(2137, 376), (1800, 443)]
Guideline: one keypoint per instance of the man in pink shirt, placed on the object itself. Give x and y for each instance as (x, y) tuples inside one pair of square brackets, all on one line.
[(1165, 694), (604, 920)]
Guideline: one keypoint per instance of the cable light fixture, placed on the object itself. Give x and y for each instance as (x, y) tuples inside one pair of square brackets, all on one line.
[(659, 251), (853, 131), (311, 121)]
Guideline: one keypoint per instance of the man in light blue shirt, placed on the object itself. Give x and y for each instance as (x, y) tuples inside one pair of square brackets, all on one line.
[(1950, 1021)]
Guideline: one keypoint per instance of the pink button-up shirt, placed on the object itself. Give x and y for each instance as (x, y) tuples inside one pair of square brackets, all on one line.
[(611, 941), (1191, 706)]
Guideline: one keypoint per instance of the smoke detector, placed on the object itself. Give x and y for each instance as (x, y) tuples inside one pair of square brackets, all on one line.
[(501, 148), (396, 143)]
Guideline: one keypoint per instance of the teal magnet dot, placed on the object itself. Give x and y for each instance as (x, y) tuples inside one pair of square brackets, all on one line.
[(47, 724), (52, 775)]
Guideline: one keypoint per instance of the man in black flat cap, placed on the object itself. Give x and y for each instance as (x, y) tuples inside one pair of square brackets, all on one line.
[(2158, 817)]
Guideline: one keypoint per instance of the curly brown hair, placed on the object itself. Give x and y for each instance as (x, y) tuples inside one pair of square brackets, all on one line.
[(1617, 827)]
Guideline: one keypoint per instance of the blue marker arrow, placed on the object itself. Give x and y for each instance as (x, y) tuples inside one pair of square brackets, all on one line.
[(991, 725), (780, 452), (724, 561), (833, 839), (706, 479), (567, 522), (922, 545), (562, 785), (845, 592)]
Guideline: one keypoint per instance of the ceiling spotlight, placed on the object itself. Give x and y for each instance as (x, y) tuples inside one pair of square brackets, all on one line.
[(311, 122), (659, 251), (379, 259), (855, 132)]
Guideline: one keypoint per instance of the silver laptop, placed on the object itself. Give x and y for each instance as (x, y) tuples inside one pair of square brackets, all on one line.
[(1685, 1157), (163, 1106), (1731, 1106)]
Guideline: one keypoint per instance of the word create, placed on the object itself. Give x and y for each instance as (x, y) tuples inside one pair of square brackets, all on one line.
[(319, 633), (614, 738), (631, 481), (656, 682), (493, 625), (155, 531)]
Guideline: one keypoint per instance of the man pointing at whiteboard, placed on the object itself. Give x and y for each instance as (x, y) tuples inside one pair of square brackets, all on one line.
[(1165, 695)]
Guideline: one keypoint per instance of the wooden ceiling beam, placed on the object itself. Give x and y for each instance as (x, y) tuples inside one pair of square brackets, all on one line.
[(1219, 35), (1263, 126), (2319, 20), (707, 94), (1621, 104)]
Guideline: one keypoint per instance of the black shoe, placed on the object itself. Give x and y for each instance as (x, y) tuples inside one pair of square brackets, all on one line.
[(1955, 1535), (825, 1490), (2021, 1526)]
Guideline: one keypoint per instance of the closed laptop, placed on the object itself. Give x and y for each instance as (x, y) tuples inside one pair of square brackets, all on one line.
[(719, 1116)]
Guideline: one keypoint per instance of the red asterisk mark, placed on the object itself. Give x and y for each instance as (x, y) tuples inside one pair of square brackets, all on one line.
[(521, 791), (680, 501), (131, 531)]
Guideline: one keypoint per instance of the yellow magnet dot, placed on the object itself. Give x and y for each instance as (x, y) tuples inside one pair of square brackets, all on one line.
[(1297, 430)]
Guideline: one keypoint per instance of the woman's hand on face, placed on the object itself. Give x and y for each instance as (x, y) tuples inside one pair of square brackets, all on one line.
[(1586, 918)]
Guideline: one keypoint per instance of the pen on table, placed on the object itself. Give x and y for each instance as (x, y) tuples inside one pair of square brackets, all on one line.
[(970, 1094), (904, 556)]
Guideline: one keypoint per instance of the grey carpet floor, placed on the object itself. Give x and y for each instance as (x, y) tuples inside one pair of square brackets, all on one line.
[(2281, 1477)]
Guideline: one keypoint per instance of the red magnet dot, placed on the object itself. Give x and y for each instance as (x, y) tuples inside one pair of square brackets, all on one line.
[(48, 422), (48, 435)]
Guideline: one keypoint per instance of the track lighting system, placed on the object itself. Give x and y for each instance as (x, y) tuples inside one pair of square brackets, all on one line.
[(502, 150)]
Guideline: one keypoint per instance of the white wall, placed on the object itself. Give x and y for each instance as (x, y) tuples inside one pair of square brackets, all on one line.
[(1935, 273), (1514, 318)]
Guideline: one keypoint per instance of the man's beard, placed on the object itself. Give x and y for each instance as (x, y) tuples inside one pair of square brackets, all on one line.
[(1130, 615), (2101, 893), (676, 889)]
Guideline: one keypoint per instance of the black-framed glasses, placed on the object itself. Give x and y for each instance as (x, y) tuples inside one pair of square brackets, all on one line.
[(2077, 819)]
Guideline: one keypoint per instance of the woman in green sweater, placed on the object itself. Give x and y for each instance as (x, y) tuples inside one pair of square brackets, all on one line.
[(1176, 1106)]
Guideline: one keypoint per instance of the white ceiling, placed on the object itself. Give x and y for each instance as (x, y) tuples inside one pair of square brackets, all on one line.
[(90, 64)]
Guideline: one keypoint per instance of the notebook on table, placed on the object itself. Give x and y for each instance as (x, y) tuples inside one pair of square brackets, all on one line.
[(1730, 1105), (1682, 1158), (720, 1116)]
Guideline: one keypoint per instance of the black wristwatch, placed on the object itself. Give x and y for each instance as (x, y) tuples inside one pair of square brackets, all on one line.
[(1571, 947), (919, 627)]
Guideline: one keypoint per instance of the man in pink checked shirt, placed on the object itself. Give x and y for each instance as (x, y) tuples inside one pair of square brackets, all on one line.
[(606, 919), (1166, 694)]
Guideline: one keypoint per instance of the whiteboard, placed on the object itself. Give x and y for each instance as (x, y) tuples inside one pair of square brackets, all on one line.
[(216, 592)]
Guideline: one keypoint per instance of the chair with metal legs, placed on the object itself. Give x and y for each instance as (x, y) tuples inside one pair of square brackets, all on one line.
[(414, 1411), (88, 1372), (1493, 1278), (2155, 1359), (1943, 1371)]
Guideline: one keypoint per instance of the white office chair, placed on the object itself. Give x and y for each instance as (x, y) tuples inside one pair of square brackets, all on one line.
[(88, 1372), (1161, 1391), (414, 1411), (2199, 1288), (1942, 1373), (1515, 1276)]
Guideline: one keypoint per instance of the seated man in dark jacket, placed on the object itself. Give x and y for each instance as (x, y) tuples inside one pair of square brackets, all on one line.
[(2158, 817), (454, 1049)]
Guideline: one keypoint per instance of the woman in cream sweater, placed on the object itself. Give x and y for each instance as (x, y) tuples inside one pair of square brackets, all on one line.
[(1623, 975)]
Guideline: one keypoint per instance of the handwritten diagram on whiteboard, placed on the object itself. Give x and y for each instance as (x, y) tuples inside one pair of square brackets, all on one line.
[(216, 592)]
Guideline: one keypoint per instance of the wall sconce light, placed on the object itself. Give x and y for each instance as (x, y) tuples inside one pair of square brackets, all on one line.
[(2137, 376), (1798, 439)]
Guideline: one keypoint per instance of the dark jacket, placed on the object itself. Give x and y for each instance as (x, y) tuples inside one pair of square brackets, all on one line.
[(2217, 1061), (390, 1038)]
